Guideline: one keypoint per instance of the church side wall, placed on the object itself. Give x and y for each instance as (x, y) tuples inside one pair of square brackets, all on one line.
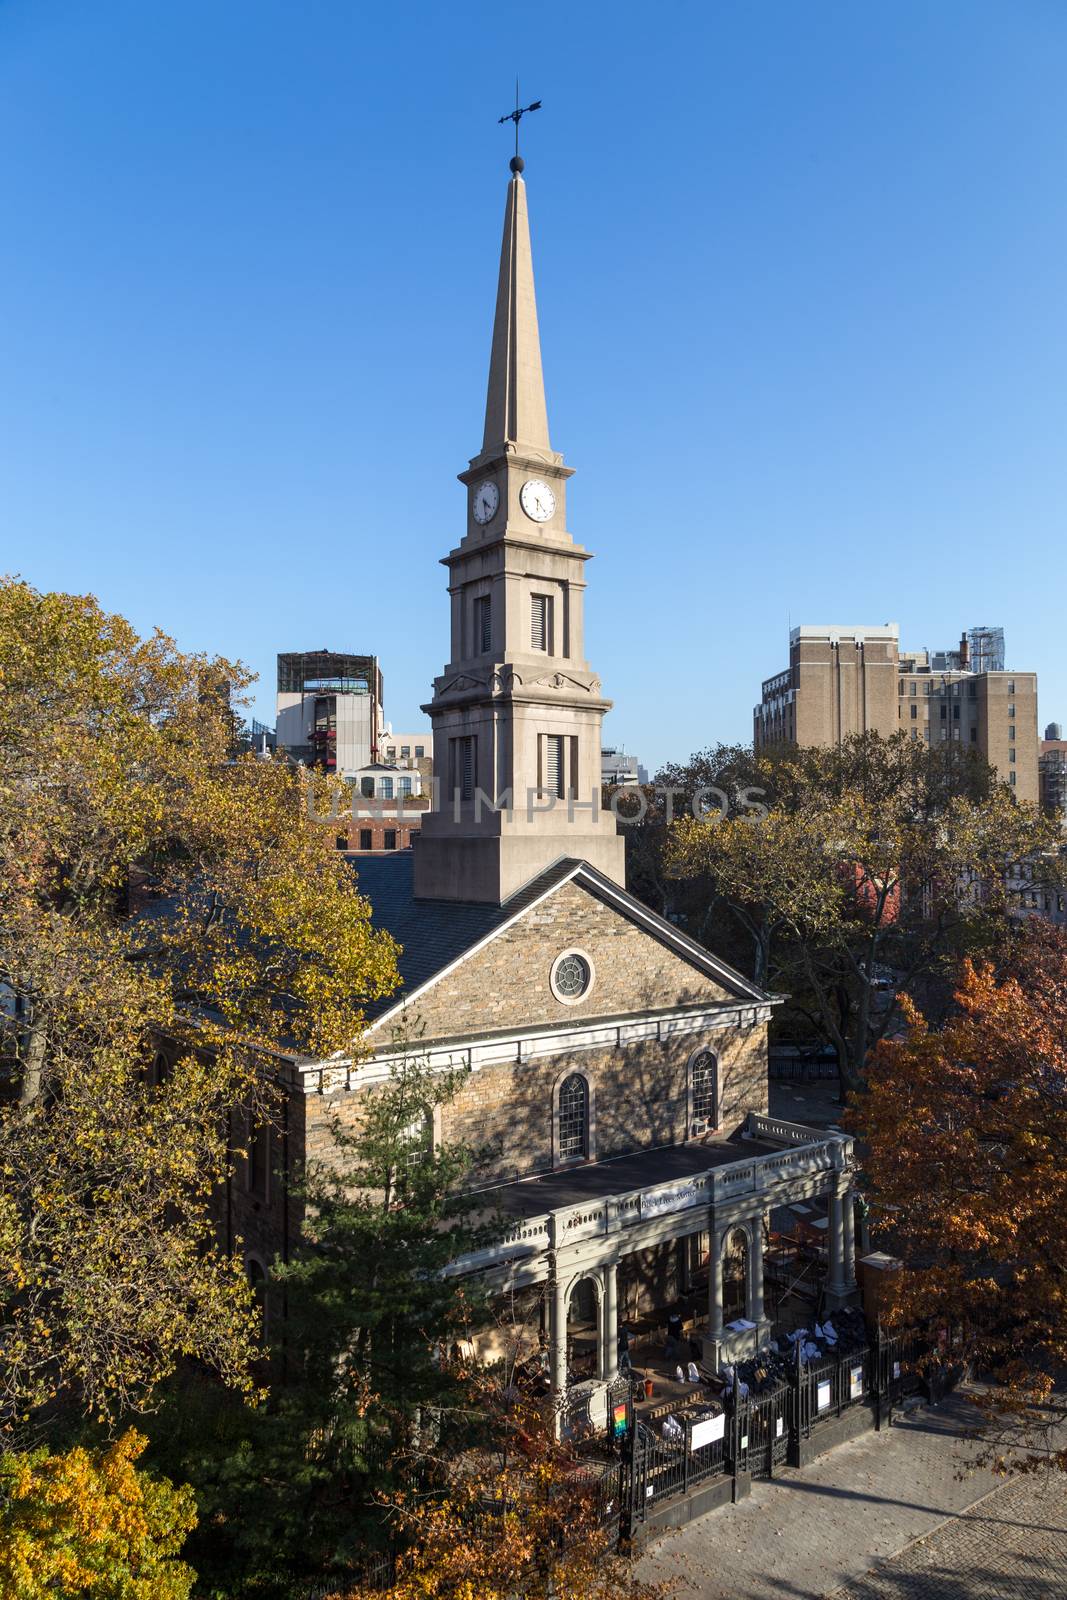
[(504, 1113)]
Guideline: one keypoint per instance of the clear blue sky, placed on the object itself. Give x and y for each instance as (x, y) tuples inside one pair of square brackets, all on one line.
[(801, 271)]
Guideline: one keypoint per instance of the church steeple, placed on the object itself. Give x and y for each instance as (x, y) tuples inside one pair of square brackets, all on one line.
[(517, 711), (515, 411)]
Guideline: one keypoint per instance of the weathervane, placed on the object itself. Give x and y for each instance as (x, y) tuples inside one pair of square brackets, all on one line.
[(516, 117)]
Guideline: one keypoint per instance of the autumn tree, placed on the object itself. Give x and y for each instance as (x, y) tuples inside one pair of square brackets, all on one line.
[(92, 1525), (376, 1396), (126, 1039), (880, 855), (966, 1128), (529, 1521)]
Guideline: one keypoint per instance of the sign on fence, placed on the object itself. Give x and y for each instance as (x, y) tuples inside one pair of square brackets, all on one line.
[(855, 1383), (823, 1397), (707, 1432)]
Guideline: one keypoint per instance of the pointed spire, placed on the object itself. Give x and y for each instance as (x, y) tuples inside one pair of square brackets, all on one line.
[(515, 404)]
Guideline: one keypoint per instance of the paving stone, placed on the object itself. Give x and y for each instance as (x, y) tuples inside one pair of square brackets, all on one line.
[(1012, 1545), (809, 1534)]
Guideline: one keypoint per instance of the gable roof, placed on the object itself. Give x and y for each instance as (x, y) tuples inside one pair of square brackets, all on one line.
[(437, 935)]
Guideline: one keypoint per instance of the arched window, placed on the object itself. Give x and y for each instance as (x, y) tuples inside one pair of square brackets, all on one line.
[(573, 1143), (704, 1089), (416, 1137)]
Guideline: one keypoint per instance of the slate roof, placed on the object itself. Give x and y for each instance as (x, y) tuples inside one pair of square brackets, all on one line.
[(434, 933)]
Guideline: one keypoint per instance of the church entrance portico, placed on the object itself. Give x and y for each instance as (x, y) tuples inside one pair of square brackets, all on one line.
[(578, 1251)]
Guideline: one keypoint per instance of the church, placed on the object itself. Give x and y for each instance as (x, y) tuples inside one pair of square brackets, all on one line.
[(616, 1082)]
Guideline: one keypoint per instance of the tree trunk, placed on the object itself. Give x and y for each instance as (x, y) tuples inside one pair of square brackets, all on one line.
[(33, 1056)]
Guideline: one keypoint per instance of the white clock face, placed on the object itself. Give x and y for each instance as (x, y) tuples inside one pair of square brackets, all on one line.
[(537, 500), (486, 500)]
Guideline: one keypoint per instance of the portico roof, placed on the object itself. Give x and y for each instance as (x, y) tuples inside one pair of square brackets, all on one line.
[(644, 1169)]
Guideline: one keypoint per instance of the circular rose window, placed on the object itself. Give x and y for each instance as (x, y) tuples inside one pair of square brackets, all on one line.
[(572, 976)]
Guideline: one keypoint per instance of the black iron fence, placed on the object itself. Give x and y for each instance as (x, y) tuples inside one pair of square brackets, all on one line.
[(756, 1435), (827, 1388), (663, 1469), (748, 1437), (763, 1430)]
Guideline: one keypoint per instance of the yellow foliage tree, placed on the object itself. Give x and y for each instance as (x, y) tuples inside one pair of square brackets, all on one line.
[(120, 791), (92, 1524)]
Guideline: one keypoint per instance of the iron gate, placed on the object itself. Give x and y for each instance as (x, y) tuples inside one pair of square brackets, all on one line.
[(763, 1423)]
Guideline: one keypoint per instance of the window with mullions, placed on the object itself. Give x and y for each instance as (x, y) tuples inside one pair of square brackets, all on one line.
[(705, 1088), (574, 1119)]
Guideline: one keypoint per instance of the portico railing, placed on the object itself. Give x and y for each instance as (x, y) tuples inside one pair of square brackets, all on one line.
[(807, 1154)]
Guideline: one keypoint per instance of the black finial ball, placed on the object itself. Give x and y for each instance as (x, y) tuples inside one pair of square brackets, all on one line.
[(516, 164)]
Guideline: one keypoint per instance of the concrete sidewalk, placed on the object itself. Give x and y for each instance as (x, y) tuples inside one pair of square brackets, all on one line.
[(808, 1534)]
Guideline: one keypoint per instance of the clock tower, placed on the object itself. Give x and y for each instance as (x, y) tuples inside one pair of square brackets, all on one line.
[(517, 711)]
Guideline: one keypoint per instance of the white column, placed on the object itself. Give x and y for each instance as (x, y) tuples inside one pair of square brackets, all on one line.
[(715, 1241), (848, 1204), (754, 1299), (609, 1324), (835, 1277), (558, 1343)]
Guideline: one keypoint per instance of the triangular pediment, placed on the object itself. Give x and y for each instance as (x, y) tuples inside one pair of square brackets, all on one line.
[(495, 971)]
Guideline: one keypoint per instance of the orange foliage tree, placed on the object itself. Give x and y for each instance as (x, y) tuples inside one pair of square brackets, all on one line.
[(524, 1518), (967, 1134)]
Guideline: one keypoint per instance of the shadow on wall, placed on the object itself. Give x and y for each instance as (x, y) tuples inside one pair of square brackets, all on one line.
[(637, 1098)]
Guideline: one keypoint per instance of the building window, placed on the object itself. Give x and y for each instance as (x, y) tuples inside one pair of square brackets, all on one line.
[(1011, 685), (974, 735), (391, 752), (341, 841), (955, 713), (463, 766), (385, 788), (1011, 779), (552, 774), (420, 751), (366, 839), (914, 688), (914, 713), (403, 787), (1011, 752), (258, 1159), (571, 976), (405, 752), (704, 1090), (1011, 711), (389, 839), (541, 622), (483, 624), (573, 1141), (417, 1139), (944, 712)]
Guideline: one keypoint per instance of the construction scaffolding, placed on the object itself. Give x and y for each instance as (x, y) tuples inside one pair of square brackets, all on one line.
[(986, 649)]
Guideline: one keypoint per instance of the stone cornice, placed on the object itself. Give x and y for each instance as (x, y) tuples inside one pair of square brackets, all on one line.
[(476, 1051)]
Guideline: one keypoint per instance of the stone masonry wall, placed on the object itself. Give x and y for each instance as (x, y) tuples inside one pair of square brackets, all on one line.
[(639, 1100), (507, 983)]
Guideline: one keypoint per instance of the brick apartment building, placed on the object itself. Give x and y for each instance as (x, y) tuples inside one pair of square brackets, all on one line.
[(844, 680)]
